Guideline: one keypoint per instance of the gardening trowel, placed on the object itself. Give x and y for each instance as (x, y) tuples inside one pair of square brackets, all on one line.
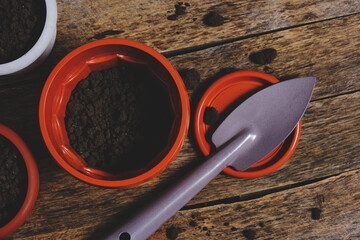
[(250, 132)]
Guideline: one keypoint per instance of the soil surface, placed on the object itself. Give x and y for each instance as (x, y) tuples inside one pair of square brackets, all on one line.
[(21, 24), (118, 119), (13, 181)]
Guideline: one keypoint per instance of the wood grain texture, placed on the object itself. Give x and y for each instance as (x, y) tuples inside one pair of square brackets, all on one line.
[(284, 215), (80, 22), (328, 209), (146, 21), (319, 50), (329, 143), (325, 148)]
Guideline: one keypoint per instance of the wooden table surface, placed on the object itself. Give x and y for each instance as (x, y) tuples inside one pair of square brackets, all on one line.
[(318, 38)]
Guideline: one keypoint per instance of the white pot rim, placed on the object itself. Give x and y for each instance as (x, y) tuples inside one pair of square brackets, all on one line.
[(40, 46)]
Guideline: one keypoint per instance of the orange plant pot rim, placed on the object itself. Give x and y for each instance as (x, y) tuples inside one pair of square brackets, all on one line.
[(226, 91), (33, 182), (164, 163)]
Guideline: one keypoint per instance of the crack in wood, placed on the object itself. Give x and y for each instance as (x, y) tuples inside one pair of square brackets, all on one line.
[(196, 48), (255, 195)]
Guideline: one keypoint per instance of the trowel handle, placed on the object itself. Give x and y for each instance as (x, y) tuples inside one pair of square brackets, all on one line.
[(149, 219)]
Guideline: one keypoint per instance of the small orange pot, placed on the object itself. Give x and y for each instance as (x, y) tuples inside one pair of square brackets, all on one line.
[(224, 94), (96, 56), (33, 182)]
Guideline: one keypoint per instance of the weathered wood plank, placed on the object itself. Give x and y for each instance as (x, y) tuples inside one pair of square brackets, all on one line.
[(290, 214), (146, 21), (329, 143), (325, 148), (80, 22), (328, 209), (319, 50)]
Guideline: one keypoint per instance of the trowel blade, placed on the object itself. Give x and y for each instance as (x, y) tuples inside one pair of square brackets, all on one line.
[(270, 114)]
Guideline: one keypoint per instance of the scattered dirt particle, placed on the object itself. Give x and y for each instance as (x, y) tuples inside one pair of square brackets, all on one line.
[(194, 19), (233, 228), (192, 223), (226, 224), (213, 19), (173, 232), (238, 207), (268, 69), (191, 77), (211, 115), (205, 229), (315, 213), (261, 224), (172, 17), (180, 9), (263, 57), (249, 234), (208, 233)]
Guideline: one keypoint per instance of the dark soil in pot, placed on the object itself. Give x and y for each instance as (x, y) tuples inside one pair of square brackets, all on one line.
[(21, 24), (13, 181), (119, 119)]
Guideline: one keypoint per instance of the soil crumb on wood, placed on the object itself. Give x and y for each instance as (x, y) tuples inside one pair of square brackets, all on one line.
[(118, 119), (180, 9), (268, 69), (13, 181), (315, 213), (263, 57), (173, 232), (172, 17), (192, 223), (213, 19), (249, 234), (21, 24)]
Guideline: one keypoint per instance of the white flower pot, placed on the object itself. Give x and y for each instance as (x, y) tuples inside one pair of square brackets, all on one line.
[(40, 50)]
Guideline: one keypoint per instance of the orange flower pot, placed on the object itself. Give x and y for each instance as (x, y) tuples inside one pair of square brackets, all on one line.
[(96, 56)]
